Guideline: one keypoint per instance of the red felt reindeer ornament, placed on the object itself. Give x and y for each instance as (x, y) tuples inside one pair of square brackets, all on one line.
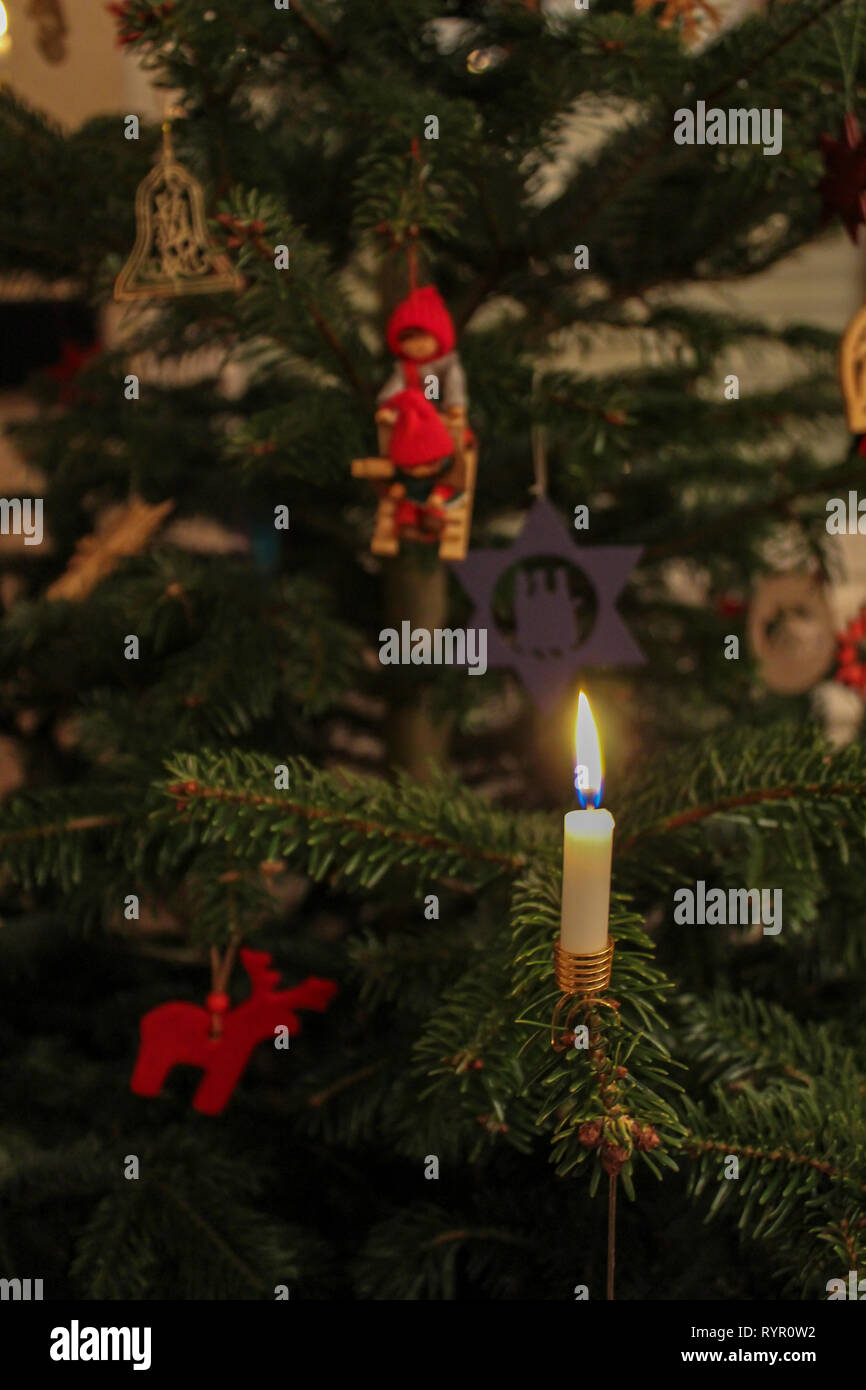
[(219, 1038)]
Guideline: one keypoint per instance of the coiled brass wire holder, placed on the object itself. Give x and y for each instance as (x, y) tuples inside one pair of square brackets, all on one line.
[(580, 977)]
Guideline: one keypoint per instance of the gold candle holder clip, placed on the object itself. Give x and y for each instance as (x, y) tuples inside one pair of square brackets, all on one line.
[(580, 977)]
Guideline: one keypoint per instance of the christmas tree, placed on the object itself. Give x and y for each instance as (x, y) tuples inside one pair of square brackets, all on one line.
[(231, 792)]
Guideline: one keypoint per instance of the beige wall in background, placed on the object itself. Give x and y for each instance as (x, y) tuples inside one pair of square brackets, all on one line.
[(94, 78)]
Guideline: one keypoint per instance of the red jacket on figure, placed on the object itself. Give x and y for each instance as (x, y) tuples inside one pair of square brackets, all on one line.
[(420, 436)]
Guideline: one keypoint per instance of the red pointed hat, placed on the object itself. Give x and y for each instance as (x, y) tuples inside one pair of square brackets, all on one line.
[(423, 309)]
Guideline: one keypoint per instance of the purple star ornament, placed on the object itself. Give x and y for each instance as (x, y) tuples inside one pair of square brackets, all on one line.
[(547, 651)]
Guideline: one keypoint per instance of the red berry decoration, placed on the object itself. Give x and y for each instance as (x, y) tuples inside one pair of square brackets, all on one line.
[(851, 654), (843, 187), (134, 20), (73, 357), (731, 606)]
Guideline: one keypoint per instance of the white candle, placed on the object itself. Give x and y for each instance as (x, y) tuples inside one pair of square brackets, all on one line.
[(587, 849)]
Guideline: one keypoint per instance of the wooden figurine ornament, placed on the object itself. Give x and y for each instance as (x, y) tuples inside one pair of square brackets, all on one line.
[(791, 631), (843, 195), (428, 457)]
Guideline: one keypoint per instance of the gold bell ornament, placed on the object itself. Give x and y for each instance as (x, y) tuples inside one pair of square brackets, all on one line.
[(173, 253)]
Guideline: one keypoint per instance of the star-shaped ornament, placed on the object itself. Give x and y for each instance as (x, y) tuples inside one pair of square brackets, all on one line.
[(843, 187), (73, 357), (547, 650)]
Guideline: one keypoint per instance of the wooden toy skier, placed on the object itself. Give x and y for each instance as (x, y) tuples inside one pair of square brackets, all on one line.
[(425, 474)]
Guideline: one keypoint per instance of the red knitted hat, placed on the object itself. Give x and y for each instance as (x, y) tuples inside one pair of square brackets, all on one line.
[(423, 309)]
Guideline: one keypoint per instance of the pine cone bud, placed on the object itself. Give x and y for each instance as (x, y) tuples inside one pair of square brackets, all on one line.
[(613, 1159), (589, 1134), (644, 1136), (271, 867)]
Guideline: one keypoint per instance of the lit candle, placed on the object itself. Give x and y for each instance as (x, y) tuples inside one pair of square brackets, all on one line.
[(587, 848)]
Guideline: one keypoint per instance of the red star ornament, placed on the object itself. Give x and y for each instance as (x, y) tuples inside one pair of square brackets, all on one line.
[(73, 356), (843, 187)]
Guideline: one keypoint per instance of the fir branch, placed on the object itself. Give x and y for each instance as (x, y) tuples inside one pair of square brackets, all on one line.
[(756, 797), (464, 1233), (319, 33), (790, 1102), (696, 1147), (692, 540), (746, 771), (415, 835), (196, 1218), (359, 386), (662, 143), (782, 42), (362, 1074), (74, 825)]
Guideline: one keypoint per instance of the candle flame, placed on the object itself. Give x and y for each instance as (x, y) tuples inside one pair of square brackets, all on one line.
[(588, 770), (4, 19)]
